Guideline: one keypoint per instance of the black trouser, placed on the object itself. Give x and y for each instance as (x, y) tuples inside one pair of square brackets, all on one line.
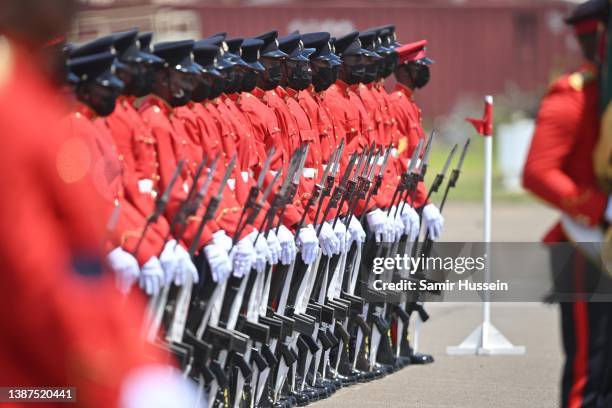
[(587, 335)]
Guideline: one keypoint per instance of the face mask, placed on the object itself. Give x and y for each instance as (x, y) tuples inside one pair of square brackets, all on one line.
[(202, 88), (145, 84), (99, 98), (249, 81), (234, 82), (299, 75), (323, 75), (181, 86), (217, 87), (272, 76), (389, 65), (353, 74), (419, 74), (370, 72)]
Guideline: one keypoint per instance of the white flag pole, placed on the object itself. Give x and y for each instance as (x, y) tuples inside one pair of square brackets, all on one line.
[(486, 339)]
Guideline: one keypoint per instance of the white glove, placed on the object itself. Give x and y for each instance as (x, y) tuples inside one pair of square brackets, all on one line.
[(151, 276), (287, 242), (608, 213), (242, 257), (261, 250), (377, 221), (342, 236), (219, 262), (169, 262), (327, 240), (308, 243), (223, 240), (126, 269), (411, 221), (434, 222), (186, 267), (274, 246), (397, 223), (156, 385), (356, 232)]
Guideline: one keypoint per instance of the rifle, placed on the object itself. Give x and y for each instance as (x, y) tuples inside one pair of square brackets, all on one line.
[(352, 184), (293, 187), (251, 202), (407, 180), (406, 308), (452, 182), (364, 186), (257, 206), (279, 198), (331, 178), (160, 204), (339, 191), (191, 205), (420, 175), (377, 183), (213, 205), (319, 189)]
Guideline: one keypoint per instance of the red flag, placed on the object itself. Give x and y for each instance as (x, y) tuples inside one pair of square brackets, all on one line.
[(484, 126)]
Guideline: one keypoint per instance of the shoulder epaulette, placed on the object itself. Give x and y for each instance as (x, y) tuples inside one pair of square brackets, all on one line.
[(578, 80)]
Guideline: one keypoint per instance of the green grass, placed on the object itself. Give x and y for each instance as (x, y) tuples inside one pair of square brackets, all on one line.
[(469, 186)]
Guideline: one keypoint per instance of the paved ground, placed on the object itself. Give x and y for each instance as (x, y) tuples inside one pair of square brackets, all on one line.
[(468, 381)]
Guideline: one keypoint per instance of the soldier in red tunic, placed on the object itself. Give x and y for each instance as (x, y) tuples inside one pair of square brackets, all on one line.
[(559, 169), (62, 322)]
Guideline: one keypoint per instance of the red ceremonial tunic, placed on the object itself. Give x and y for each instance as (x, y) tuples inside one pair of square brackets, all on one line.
[(58, 328), (559, 166)]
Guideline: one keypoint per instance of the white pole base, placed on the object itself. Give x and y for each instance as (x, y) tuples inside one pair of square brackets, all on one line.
[(486, 340)]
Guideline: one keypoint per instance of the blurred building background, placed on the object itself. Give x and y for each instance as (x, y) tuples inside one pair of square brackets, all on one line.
[(511, 49)]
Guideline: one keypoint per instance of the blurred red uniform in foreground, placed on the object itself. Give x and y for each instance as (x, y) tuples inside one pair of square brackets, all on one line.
[(58, 327)]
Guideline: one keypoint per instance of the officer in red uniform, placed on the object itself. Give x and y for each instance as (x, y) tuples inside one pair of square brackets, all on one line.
[(412, 73), (173, 87), (559, 169), (324, 65), (138, 202), (267, 133), (96, 95), (354, 123), (288, 138), (71, 328)]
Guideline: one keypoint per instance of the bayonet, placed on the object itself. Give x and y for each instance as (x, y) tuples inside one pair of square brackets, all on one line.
[(160, 204), (425, 158), (251, 201), (338, 157), (277, 200), (452, 182), (331, 178), (407, 177), (191, 207), (294, 185), (440, 176), (339, 190), (454, 177), (377, 183), (364, 184), (212, 206), (180, 216), (316, 192)]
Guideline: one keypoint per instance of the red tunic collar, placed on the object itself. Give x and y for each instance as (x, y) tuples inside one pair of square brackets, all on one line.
[(404, 89)]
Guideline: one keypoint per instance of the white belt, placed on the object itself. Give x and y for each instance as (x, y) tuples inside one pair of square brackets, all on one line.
[(245, 175), (309, 172), (145, 186)]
